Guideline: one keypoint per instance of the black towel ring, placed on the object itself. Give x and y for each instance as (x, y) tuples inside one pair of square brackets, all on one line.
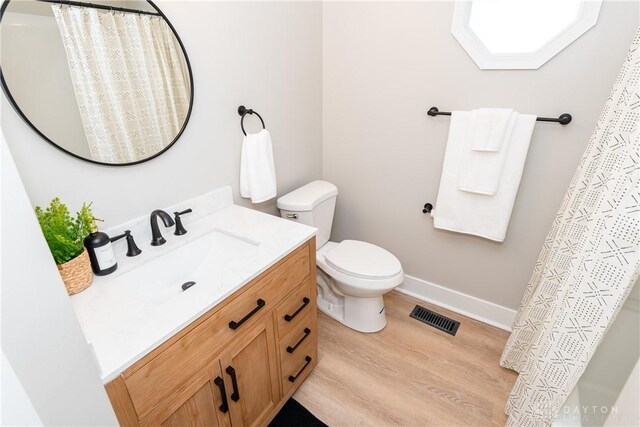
[(243, 111)]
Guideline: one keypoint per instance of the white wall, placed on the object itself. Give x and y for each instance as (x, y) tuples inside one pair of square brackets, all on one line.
[(265, 55), (41, 336), (15, 406), (385, 64)]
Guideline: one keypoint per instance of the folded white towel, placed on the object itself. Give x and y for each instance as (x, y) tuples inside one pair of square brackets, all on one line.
[(488, 128), (480, 215), (483, 169), (257, 171)]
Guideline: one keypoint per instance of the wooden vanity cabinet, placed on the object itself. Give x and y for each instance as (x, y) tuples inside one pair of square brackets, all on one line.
[(230, 367)]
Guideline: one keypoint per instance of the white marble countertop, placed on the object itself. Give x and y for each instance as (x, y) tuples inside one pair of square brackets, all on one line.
[(124, 318)]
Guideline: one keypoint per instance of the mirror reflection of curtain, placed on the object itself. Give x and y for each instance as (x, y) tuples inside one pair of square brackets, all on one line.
[(129, 79)]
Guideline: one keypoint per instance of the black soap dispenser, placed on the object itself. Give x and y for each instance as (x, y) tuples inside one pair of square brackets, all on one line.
[(101, 255)]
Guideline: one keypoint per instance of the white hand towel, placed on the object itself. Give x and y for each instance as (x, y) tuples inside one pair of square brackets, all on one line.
[(488, 128), (470, 213), (483, 169), (257, 170)]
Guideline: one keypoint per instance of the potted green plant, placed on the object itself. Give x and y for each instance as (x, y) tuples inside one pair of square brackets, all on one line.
[(64, 235)]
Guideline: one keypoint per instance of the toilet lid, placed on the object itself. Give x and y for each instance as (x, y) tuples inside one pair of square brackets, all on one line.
[(363, 259)]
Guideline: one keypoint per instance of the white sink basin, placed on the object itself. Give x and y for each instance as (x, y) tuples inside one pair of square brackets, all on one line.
[(202, 261)]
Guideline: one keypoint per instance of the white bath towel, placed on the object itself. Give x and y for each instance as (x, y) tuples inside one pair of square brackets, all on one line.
[(483, 169), (257, 170), (488, 128), (470, 213)]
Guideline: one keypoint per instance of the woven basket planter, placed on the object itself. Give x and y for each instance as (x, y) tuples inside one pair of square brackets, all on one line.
[(76, 274)]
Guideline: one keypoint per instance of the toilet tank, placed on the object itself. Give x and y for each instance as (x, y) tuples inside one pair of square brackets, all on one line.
[(312, 204)]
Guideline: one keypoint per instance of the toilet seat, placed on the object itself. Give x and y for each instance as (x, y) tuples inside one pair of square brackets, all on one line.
[(363, 260), (354, 269)]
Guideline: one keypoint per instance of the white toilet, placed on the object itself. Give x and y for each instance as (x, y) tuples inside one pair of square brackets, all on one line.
[(352, 275)]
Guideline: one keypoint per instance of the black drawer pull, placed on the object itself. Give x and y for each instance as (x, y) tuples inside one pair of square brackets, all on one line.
[(235, 396), (235, 325), (289, 317), (290, 349), (223, 393), (292, 378)]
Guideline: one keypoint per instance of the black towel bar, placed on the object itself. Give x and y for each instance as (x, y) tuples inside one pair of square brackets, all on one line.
[(564, 118)]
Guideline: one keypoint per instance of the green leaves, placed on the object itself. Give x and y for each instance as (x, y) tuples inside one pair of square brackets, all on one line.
[(84, 220), (64, 234)]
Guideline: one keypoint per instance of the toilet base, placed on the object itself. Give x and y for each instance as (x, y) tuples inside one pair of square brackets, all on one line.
[(365, 314), (361, 314)]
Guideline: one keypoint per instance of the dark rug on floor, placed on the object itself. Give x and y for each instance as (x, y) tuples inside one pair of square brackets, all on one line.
[(294, 414)]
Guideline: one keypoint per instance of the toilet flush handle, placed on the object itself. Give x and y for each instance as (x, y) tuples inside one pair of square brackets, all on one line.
[(292, 215)]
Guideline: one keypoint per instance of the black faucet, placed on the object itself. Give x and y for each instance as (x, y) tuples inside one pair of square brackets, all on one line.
[(156, 236)]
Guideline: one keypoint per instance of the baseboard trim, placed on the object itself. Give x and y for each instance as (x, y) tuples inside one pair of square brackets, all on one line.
[(467, 305)]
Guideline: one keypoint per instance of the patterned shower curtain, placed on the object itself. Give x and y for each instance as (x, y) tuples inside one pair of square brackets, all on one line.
[(588, 263), (129, 79)]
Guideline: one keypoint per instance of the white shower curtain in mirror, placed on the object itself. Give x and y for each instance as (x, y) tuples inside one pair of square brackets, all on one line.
[(129, 79), (588, 263)]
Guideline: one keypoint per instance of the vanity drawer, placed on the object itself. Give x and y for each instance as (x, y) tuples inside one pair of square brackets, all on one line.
[(295, 307), (297, 364), (292, 343), (168, 370)]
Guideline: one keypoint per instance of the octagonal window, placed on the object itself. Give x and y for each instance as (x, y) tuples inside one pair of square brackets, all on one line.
[(520, 34)]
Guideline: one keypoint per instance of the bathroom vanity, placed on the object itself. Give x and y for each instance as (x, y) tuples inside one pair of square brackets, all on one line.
[(227, 351), (236, 364)]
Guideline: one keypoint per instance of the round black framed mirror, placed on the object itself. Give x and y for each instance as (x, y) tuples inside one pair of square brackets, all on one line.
[(107, 82)]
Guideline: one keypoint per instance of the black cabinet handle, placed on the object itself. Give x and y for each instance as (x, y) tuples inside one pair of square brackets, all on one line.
[(235, 396), (290, 349), (290, 317), (235, 325), (223, 393), (292, 378)]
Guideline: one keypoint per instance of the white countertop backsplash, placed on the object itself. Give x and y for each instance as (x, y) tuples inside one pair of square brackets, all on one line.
[(122, 326)]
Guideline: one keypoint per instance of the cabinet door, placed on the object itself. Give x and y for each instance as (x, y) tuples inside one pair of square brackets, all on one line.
[(199, 410), (251, 375), (206, 407)]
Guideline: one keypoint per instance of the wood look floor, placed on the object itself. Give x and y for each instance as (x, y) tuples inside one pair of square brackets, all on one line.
[(409, 374)]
